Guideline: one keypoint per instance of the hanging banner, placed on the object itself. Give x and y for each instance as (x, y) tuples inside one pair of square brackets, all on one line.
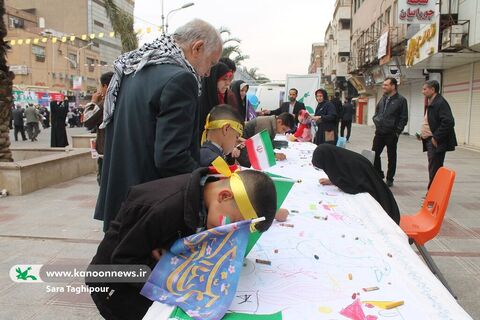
[(36, 98), (77, 83), (382, 45), (25, 97), (416, 11), (306, 85)]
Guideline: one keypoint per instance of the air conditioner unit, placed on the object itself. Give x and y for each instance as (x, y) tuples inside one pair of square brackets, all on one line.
[(343, 59), (452, 37)]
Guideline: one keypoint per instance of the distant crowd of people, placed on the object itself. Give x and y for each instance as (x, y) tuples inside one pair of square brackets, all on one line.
[(29, 119)]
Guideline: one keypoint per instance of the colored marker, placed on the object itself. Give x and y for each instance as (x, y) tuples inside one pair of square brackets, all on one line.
[(350, 277), (266, 262), (385, 304), (287, 225), (370, 289), (394, 304)]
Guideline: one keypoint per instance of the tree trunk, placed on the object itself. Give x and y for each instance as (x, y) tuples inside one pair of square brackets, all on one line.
[(6, 98), (122, 24)]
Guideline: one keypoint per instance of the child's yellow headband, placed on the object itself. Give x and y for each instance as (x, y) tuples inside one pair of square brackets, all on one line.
[(218, 124), (238, 189)]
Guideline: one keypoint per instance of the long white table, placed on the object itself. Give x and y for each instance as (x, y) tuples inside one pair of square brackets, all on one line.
[(338, 245)]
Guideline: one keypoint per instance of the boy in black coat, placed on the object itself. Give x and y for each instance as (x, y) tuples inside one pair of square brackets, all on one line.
[(223, 128), (157, 213)]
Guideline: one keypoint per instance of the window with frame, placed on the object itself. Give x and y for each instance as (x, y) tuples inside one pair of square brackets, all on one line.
[(39, 53), (72, 60), (345, 24), (91, 64), (388, 16), (16, 23), (98, 23), (380, 24)]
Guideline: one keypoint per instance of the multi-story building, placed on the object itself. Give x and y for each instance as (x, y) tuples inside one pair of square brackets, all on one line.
[(441, 43), (316, 58), (40, 63), (378, 51), (79, 17), (337, 47), (449, 49)]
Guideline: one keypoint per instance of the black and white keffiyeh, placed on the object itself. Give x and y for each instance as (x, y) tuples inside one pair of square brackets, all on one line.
[(163, 50)]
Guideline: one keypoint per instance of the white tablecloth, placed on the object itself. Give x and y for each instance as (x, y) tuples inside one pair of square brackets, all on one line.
[(338, 245)]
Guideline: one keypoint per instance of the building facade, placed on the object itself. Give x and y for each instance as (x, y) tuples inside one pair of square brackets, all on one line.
[(49, 65), (452, 54), (378, 52), (316, 58), (337, 48), (78, 17), (442, 45)]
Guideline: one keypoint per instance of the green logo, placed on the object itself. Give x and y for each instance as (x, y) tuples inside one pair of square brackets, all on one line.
[(302, 99), (23, 275)]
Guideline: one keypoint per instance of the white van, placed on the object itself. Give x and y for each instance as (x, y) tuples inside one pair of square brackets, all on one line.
[(270, 95)]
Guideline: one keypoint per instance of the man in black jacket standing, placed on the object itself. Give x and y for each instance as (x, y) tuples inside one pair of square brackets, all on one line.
[(292, 106), (437, 133), (391, 116)]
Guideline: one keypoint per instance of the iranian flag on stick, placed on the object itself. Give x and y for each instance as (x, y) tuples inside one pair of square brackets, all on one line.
[(260, 151)]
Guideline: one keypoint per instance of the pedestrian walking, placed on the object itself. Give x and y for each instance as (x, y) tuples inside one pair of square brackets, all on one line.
[(32, 118), (18, 124), (347, 118)]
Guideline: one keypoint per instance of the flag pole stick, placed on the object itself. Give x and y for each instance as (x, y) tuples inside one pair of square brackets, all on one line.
[(257, 220)]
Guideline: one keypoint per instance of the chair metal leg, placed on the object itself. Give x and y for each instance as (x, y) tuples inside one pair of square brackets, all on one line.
[(433, 267)]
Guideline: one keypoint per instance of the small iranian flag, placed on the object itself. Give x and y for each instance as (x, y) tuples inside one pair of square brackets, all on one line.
[(260, 151)]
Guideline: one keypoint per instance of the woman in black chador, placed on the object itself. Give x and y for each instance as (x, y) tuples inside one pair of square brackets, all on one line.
[(353, 174), (58, 113)]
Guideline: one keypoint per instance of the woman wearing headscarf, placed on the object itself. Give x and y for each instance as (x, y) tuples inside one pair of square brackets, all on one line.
[(326, 119), (240, 89), (353, 173), (215, 91)]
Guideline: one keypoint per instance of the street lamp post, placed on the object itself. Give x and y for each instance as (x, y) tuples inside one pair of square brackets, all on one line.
[(174, 10), (76, 63)]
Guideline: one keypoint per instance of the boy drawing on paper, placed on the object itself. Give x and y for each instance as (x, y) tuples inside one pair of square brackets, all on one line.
[(274, 125), (223, 128), (157, 213)]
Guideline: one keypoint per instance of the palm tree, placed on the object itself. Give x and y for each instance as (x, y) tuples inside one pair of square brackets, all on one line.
[(122, 23), (232, 50), (252, 72), (6, 98)]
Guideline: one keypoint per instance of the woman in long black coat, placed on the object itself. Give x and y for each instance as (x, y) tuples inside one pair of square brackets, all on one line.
[(220, 76), (326, 119), (353, 174), (58, 112)]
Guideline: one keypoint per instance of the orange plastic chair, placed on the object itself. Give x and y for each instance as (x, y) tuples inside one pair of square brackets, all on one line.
[(426, 224)]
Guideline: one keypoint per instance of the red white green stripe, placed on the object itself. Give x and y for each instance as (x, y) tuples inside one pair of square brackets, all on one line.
[(260, 151)]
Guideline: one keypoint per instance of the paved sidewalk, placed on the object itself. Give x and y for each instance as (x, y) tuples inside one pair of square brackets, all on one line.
[(43, 138), (55, 225)]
